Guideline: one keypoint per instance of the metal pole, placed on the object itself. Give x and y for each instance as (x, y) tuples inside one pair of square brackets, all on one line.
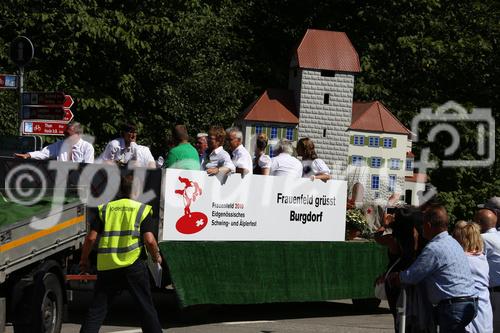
[(402, 312), (21, 90)]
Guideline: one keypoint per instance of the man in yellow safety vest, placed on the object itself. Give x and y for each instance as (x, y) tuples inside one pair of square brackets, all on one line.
[(124, 226)]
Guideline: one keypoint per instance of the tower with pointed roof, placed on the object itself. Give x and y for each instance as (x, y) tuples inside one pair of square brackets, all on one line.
[(321, 75)]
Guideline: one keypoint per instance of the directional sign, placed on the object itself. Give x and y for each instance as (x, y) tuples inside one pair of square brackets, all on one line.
[(47, 106), (43, 127), (8, 81), (21, 51), (44, 98)]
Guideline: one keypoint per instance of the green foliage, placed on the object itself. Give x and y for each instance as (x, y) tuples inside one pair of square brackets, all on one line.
[(198, 62)]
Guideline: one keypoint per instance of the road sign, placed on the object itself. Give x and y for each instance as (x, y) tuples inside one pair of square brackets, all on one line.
[(47, 106), (8, 81), (43, 127), (21, 51), (44, 98)]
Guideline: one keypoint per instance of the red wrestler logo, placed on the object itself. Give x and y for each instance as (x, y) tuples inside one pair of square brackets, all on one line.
[(190, 222)]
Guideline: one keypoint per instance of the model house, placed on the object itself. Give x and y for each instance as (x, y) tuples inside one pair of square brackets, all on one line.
[(380, 157), (361, 142)]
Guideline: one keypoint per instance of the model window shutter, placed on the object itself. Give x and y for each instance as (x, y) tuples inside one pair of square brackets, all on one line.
[(394, 141), (369, 161), (352, 139), (280, 133), (367, 140), (382, 162), (295, 134), (252, 129), (380, 142), (350, 159)]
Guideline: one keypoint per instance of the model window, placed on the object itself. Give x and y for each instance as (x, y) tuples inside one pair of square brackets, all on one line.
[(271, 151), (357, 160), (387, 142), (376, 162), (326, 99), (375, 182), (289, 133), (359, 140), (392, 183), (373, 141), (409, 165), (274, 132), (258, 129), (394, 164)]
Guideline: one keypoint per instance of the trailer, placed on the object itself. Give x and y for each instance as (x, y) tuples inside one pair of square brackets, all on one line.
[(37, 244), (36, 263)]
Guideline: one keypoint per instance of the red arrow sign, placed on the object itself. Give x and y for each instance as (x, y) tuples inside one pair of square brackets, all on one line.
[(44, 98), (43, 127), (68, 115), (68, 101)]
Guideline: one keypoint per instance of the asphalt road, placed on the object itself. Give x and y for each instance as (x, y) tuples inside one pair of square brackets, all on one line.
[(317, 317)]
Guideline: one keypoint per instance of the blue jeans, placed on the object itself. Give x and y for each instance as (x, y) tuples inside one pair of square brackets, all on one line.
[(452, 318)]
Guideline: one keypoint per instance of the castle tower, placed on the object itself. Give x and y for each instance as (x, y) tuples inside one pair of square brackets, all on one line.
[(321, 76)]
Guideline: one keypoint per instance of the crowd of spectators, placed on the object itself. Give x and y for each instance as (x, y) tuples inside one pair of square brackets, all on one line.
[(446, 276)]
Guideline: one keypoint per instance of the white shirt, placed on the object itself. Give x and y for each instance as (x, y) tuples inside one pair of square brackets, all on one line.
[(143, 157), (491, 239), (314, 168), (80, 152), (242, 159), (286, 165), (219, 158), (116, 151), (264, 161)]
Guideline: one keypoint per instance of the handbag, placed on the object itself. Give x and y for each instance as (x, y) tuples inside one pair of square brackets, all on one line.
[(379, 290)]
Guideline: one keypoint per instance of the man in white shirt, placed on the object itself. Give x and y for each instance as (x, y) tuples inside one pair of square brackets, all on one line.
[(72, 149), (285, 164), (121, 150), (125, 149), (487, 220), (218, 160), (241, 157)]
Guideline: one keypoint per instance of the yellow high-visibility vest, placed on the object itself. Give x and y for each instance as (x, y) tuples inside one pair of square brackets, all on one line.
[(120, 244)]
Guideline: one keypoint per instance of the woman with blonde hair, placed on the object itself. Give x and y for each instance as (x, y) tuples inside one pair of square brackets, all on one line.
[(312, 166), (261, 162), (469, 236)]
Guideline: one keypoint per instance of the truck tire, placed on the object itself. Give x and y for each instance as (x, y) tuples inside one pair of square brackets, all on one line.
[(45, 303)]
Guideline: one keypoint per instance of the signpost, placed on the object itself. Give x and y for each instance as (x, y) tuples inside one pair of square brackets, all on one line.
[(43, 127), (46, 113), (53, 106), (21, 53)]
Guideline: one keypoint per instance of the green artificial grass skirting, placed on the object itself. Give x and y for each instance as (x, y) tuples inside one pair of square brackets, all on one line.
[(11, 212), (264, 272)]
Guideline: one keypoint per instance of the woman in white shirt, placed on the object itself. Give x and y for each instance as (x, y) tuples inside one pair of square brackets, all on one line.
[(261, 162), (312, 166)]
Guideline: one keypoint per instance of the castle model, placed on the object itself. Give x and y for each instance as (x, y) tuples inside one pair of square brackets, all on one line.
[(362, 142)]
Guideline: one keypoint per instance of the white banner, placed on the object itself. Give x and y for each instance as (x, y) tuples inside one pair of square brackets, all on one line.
[(254, 208)]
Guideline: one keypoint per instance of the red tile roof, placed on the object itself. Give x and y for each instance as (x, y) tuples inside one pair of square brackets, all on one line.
[(327, 50), (375, 117), (274, 105), (417, 178)]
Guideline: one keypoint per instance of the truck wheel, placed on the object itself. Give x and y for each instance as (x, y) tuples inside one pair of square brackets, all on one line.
[(40, 308), (51, 304)]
